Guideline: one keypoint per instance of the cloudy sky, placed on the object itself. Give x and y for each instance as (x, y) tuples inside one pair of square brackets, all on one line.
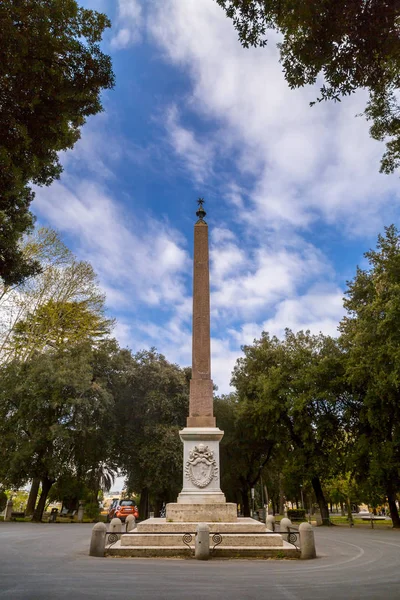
[(293, 194)]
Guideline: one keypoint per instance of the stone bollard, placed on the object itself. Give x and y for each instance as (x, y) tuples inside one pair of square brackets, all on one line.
[(115, 525), (202, 542), (130, 523), (284, 525), (81, 510), (8, 511), (270, 523), (98, 540), (307, 541)]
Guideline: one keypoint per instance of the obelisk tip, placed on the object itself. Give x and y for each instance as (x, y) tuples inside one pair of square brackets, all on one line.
[(201, 213)]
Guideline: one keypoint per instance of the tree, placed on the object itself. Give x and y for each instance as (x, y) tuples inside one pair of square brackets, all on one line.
[(244, 451), (352, 44), (152, 406), (56, 415), (63, 304), (56, 325), (52, 72), (292, 392), (371, 340)]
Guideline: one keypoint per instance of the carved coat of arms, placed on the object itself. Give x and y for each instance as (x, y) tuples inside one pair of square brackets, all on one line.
[(201, 467)]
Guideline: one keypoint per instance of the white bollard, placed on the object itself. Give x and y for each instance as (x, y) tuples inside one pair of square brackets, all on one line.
[(202, 542), (284, 525), (307, 541), (98, 540), (8, 511), (270, 522), (130, 523), (115, 525), (81, 511)]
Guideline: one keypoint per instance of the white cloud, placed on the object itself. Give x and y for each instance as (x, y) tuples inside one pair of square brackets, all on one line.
[(319, 310), (129, 24), (308, 164), (137, 260), (294, 167), (249, 282), (196, 155)]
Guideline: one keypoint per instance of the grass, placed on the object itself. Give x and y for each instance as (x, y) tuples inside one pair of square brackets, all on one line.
[(344, 522)]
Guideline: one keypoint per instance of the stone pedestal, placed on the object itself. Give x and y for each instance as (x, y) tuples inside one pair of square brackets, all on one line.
[(201, 498), (201, 477)]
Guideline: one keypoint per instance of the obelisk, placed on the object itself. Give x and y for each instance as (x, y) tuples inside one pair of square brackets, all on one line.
[(201, 385), (201, 498)]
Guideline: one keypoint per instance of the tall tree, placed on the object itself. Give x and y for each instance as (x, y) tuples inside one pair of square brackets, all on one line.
[(55, 417), (371, 339), (244, 451), (353, 44), (61, 304), (52, 72), (152, 407), (292, 392)]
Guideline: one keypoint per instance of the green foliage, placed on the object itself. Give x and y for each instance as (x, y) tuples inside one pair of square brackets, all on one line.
[(61, 306), (352, 44), (371, 339), (3, 500), (244, 451), (152, 406), (298, 514), (52, 72), (92, 510), (68, 489), (292, 393), (55, 413), (55, 325)]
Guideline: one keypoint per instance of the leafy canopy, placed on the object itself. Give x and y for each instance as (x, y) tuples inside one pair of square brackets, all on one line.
[(371, 339), (52, 72), (62, 305), (353, 44)]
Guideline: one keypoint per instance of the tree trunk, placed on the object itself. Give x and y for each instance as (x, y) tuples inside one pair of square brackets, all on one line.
[(281, 497), (349, 515), (144, 504), (245, 502), (46, 486), (322, 503), (394, 513), (342, 511), (33, 494)]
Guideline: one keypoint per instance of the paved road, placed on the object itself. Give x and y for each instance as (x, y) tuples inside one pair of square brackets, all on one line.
[(50, 561)]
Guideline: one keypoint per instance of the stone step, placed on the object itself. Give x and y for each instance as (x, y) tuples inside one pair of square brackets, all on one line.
[(255, 552), (243, 524), (228, 539)]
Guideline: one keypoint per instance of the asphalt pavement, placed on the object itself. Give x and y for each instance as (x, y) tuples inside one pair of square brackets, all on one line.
[(51, 561)]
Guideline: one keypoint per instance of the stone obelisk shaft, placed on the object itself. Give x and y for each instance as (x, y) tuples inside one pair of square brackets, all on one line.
[(201, 385)]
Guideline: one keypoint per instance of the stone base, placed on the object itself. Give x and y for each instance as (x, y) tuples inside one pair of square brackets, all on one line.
[(212, 512), (256, 552), (202, 497), (200, 422), (246, 538), (242, 525)]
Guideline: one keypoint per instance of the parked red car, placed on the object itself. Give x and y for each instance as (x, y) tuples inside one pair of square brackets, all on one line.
[(121, 509)]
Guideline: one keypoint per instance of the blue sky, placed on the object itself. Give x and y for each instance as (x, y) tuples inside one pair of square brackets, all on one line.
[(293, 194)]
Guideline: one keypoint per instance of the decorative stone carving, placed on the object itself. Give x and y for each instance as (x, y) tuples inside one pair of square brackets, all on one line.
[(201, 467)]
